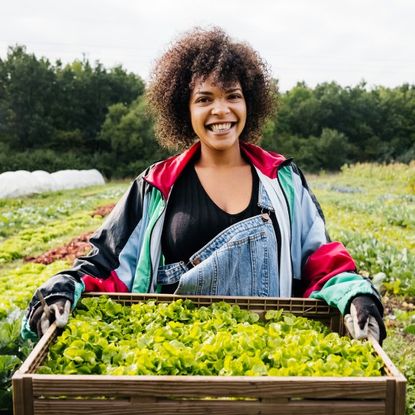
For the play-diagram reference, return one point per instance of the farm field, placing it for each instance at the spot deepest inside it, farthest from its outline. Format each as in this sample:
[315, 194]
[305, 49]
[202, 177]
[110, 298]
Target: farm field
[370, 208]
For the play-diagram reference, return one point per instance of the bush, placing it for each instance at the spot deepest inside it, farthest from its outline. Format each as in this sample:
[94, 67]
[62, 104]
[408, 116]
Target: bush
[48, 160]
[329, 151]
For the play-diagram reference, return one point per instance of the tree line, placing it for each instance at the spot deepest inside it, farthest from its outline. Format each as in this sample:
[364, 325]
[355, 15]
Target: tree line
[329, 125]
[82, 115]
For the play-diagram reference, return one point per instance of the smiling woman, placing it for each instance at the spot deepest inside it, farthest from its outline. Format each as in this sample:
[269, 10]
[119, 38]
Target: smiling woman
[196, 56]
[224, 217]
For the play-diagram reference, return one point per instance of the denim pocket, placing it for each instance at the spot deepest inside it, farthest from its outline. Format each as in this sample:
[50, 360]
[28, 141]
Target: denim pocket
[171, 273]
[245, 264]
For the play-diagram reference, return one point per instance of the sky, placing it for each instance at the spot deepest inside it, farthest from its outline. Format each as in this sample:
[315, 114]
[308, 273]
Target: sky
[315, 41]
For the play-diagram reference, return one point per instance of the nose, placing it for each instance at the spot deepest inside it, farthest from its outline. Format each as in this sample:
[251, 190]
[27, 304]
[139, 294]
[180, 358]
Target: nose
[220, 108]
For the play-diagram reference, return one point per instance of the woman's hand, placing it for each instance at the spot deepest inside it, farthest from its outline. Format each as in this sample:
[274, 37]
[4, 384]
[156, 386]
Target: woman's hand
[55, 309]
[364, 319]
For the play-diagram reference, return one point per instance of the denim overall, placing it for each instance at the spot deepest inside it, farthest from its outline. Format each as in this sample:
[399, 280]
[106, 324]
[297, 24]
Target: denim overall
[239, 261]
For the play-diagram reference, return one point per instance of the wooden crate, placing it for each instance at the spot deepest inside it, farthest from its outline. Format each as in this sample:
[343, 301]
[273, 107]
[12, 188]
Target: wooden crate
[113, 395]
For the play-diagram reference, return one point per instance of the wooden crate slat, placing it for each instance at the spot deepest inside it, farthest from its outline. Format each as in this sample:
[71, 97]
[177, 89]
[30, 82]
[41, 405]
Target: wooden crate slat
[397, 385]
[22, 396]
[295, 305]
[390, 397]
[390, 367]
[202, 386]
[39, 352]
[166, 407]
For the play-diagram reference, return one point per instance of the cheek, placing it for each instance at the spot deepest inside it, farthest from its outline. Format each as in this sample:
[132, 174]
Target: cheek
[245, 111]
[243, 114]
[192, 118]
[196, 119]
[193, 122]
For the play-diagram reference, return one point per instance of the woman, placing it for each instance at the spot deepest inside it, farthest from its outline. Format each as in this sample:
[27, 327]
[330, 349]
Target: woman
[224, 217]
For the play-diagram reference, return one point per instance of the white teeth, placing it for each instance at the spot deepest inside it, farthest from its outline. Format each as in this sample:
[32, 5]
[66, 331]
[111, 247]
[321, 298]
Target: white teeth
[221, 127]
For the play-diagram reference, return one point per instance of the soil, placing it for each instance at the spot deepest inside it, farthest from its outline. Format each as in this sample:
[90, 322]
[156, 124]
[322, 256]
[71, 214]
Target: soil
[103, 210]
[402, 303]
[77, 247]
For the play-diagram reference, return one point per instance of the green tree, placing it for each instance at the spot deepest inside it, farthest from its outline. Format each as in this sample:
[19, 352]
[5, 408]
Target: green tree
[28, 87]
[332, 149]
[85, 93]
[397, 125]
[377, 124]
[128, 131]
[299, 112]
[58, 109]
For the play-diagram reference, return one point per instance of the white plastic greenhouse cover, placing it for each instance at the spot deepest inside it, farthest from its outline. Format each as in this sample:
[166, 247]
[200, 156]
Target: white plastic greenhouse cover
[22, 182]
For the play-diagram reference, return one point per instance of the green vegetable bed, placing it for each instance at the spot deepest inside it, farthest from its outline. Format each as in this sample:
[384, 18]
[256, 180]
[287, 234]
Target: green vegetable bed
[179, 338]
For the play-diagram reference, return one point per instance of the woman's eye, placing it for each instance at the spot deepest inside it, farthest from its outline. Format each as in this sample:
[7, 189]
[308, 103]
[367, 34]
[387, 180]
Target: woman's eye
[235, 96]
[202, 100]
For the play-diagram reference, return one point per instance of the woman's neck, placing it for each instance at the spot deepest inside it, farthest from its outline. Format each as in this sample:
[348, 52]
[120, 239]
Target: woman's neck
[220, 158]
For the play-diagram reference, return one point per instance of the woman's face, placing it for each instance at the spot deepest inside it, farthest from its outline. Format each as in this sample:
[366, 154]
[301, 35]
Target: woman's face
[218, 115]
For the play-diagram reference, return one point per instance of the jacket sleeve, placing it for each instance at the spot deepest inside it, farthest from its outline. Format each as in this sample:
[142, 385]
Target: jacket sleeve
[110, 265]
[328, 271]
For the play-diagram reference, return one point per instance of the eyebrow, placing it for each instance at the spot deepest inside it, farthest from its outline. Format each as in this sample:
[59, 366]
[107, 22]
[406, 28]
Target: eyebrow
[228, 91]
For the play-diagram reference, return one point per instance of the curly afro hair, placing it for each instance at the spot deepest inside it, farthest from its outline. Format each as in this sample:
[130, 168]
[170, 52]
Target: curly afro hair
[197, 55]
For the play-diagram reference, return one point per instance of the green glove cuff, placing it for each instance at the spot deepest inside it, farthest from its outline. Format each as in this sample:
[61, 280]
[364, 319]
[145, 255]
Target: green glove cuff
[341, 289]
[25, 332]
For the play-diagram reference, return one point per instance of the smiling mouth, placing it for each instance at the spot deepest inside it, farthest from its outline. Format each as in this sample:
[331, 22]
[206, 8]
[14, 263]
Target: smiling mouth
[220, 127]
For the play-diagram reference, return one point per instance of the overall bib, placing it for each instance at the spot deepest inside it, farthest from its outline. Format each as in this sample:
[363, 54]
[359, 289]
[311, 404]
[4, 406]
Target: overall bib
[240, 261]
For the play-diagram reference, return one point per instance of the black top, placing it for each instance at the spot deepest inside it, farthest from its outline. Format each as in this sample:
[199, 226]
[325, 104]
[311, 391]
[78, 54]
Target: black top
[193, 219]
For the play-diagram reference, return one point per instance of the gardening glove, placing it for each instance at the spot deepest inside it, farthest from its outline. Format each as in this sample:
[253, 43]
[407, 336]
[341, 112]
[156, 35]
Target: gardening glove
[55, 309]
[365, 319]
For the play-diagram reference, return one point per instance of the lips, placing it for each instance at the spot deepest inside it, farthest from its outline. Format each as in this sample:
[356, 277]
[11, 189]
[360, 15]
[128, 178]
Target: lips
[220, 127]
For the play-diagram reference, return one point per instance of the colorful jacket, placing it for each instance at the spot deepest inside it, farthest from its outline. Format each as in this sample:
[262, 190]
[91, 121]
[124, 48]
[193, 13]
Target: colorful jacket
[126, 249]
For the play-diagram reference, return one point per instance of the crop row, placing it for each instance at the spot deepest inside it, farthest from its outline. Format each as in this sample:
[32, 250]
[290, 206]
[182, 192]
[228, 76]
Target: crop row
[393, 222]
[398, 174]
[374, 219]
[17, 285]
[43, 209]
[37, 240]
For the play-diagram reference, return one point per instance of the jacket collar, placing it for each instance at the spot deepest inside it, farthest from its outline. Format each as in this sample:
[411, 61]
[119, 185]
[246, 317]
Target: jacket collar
[165, 173]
